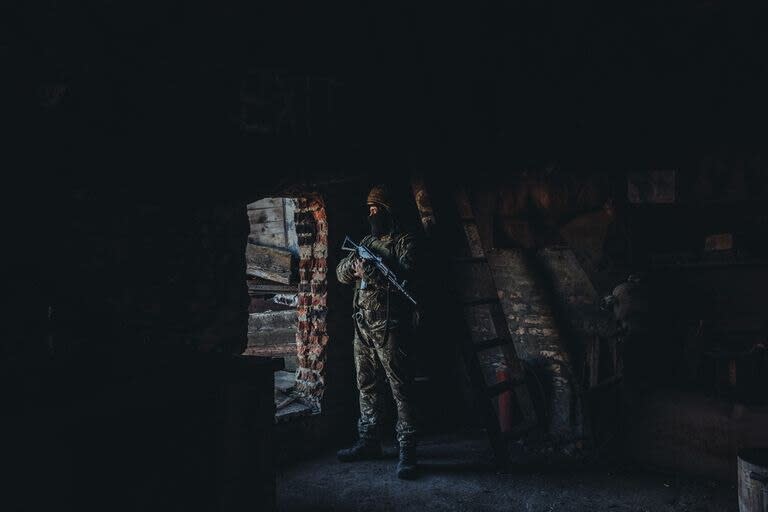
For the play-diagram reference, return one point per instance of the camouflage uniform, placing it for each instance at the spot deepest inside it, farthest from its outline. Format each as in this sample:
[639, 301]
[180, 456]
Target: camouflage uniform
[382, 325]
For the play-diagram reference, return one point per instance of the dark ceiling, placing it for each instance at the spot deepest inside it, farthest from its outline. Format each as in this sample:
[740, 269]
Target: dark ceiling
[144, 92]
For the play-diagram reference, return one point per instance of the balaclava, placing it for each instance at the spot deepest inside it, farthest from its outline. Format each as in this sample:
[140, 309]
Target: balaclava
[382, 222]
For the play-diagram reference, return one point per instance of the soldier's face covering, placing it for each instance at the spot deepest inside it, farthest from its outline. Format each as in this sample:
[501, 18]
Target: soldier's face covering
[381, 223]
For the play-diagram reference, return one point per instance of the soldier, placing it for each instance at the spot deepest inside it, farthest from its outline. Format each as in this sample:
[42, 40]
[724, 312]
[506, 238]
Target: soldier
[382, 320]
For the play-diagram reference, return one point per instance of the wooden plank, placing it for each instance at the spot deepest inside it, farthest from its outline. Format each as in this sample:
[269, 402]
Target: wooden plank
[272, 321]
[269, 262]
[269, 228]
[271, 349]
[268, 233]
[260, 286]
[268, 239]
[267, 202]
[265, 216]
[274, 331]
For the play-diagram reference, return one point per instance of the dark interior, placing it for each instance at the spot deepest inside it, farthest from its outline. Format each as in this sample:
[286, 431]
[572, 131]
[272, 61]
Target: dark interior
[614, 159]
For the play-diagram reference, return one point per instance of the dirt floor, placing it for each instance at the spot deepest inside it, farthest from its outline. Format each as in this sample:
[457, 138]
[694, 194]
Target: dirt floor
[457, 476]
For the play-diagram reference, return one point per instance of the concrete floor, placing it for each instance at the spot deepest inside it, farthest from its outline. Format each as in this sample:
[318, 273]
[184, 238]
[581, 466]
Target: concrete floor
[457, 477]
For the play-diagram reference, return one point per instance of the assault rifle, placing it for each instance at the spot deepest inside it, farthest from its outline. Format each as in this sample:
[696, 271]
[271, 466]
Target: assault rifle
[367, 254]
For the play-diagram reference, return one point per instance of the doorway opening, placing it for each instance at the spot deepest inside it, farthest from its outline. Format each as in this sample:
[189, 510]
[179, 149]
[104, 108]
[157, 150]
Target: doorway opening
[287, 284]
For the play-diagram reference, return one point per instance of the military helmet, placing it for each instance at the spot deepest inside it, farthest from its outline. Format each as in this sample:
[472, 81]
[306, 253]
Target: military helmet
[379, 195]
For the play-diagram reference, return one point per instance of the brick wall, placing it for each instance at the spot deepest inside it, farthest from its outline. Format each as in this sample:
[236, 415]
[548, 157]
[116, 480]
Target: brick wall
[312, 333]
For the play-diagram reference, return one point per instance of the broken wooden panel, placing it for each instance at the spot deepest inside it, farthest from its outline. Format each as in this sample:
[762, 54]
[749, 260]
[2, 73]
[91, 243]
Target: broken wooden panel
[273, 334]
[270, 263]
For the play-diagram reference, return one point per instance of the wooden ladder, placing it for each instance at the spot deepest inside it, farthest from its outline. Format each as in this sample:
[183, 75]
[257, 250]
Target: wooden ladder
[495, 372]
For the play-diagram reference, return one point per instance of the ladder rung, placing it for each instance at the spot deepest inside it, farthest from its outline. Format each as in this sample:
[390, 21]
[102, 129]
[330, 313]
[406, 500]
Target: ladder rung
[480, 302]
[491, 343]
[501, 387]
[470, 259]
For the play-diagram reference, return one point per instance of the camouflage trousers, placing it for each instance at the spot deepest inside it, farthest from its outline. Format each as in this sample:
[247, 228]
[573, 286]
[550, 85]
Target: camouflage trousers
[390, 359]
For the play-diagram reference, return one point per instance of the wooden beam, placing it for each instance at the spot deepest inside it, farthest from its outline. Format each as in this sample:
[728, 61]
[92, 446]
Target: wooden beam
[269, 263]
[260, 286]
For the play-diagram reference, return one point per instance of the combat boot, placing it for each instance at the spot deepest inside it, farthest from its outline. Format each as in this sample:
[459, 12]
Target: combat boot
[363, 449]
[406, 466]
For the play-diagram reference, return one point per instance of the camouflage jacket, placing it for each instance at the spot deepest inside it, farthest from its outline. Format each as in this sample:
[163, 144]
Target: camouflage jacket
[379, 301]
